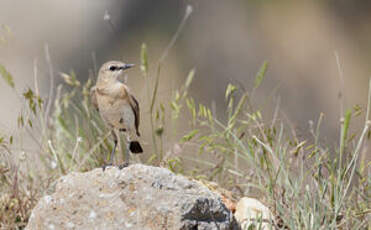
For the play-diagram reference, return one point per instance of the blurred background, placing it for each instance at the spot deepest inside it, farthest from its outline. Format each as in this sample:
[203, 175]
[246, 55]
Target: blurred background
[226, 41]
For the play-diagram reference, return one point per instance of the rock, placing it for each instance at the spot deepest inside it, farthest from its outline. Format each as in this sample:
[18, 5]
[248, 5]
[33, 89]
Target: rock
[250, 212]
[136, 197]
[227, 197]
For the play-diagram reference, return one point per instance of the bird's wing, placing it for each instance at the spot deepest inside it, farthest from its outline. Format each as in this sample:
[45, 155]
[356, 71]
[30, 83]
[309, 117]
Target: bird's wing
[93, 98]
[135, 107]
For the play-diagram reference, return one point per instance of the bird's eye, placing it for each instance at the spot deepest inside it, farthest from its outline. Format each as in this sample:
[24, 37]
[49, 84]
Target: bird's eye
[112, 68]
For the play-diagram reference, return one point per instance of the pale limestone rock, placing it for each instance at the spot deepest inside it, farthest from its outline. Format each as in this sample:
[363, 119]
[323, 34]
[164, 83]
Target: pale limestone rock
[250, 211]
[136, 197]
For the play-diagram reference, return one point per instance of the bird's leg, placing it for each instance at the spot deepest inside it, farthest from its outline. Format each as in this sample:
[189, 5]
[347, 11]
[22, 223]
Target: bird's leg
[112, 152]
[127, 155]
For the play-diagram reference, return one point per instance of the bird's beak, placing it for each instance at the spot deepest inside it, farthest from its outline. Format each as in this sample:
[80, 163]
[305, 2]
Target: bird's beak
[127, 66]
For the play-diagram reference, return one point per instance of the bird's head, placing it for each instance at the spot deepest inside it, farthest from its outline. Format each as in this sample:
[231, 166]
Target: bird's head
[111, 70]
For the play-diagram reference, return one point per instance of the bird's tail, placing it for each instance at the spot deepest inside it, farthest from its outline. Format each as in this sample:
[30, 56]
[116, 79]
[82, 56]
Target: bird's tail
[135, 147]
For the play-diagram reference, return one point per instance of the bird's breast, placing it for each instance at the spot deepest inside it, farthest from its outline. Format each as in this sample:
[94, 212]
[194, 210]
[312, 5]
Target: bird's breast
[116, 111]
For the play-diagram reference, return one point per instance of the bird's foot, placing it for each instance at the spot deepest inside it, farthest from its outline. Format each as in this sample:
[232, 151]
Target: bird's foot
[106, 165]
[124, 165]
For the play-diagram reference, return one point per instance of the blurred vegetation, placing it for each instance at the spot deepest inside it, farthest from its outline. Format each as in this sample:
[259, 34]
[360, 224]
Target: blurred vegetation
[305, 184]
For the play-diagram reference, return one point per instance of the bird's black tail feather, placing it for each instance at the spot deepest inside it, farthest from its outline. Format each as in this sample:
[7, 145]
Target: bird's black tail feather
[135, 147]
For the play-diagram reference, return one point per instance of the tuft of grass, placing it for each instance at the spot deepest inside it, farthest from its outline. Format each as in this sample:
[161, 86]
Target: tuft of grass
[307, 185]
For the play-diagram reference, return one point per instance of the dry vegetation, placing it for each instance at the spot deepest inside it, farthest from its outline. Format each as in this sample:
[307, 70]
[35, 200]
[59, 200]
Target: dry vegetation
[306, 184]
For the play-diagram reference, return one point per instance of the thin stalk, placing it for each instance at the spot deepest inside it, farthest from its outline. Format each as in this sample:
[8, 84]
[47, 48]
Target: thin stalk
[51, 82]
[176, 35]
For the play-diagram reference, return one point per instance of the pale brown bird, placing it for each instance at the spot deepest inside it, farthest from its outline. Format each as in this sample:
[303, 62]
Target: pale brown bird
[117, 106]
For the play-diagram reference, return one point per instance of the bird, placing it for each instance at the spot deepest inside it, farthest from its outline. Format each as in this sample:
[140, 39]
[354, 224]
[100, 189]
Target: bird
[118, 108]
